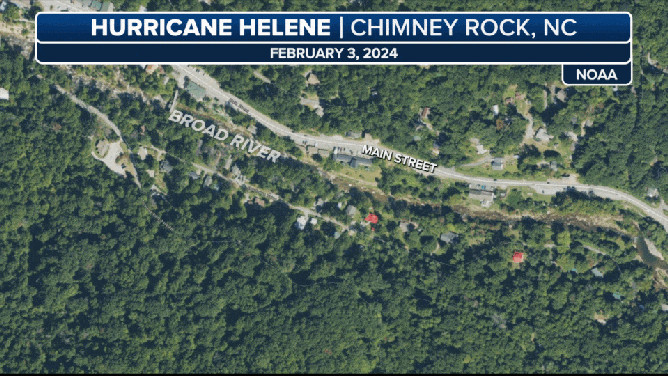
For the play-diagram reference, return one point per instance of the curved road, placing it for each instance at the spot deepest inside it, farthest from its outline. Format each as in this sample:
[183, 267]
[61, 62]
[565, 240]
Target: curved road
[355, 147]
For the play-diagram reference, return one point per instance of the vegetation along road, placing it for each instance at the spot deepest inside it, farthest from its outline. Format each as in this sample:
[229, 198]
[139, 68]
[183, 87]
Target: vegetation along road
[355, 147]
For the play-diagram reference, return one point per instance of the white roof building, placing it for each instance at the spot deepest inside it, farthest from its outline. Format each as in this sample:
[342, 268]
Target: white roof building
[4, 94]
[301, 222]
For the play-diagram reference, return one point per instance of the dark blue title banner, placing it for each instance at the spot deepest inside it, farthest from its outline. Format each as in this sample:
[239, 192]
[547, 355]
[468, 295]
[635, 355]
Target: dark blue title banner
[334, 38]
[331, 27]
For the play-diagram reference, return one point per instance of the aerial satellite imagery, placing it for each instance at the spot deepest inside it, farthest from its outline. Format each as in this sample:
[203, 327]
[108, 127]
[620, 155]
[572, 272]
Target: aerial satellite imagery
[333, 186]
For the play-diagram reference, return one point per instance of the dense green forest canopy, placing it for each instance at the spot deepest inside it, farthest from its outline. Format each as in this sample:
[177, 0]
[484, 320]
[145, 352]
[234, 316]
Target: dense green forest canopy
[92, 281]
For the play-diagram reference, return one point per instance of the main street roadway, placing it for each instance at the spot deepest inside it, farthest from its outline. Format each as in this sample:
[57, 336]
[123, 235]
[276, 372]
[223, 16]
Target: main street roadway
[346, 145]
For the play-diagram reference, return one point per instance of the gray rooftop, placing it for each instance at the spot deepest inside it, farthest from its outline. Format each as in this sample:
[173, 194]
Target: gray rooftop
[345, 158]
[195, 90]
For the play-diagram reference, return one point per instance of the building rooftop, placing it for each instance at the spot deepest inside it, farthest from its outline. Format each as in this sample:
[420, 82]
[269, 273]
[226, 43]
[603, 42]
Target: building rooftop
[107, 6]
[357, 161]
[497, 164]
[301, 222]
[344, 158]
[195, 90]
[166, 166]
[449, 237]
[4, 94]
[96, 5]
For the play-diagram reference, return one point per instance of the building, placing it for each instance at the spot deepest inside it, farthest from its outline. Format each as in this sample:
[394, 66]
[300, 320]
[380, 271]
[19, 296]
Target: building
[518, 257]
[96, 5]
[541, 135]
[651, 192]
[354, 134]
[193, 175]
[3, 6]
[554, 166]
[310, 150]
[166, 167]
[301, 222]
[372, 218]
[358, 161]
[449, 237]
[352, 161]
[151, 68]
[107, 6]
[597, 272]
[351, 210]
[195, 90]
[343, 158]
[4, 93]
[425, 113]
[495, 109]
[497, 164]
[482, 193]
[258, 201]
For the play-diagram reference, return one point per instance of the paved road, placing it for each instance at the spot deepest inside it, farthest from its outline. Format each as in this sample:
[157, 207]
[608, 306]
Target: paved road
[346, 145]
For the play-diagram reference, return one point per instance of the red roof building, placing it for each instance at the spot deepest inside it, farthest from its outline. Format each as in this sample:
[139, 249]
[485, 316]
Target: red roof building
[518, 257]
[372, 218]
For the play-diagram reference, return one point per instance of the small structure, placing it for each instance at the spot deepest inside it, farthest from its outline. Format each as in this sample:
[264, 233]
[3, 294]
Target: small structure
[617, 295]
[310, 150]
[108, 6]
[554, 166]
[313, 221]
[652, 192]
[151, 68]
[96, 5]
[484, 194]
[323, 153]
[358, 161]
[518, 257]
[4, 93]
[258, 201]
[166, 167]
[342, 158]
[301, 222]
[449, 237]
[541, 135]
[312, 79]
[497, 164]
[193, 175]
[208, 180]
[372, 218]
[597, 272]
[495, 109]
[228, 163]
[351, 210]
[664, 307]
[425, 113]
[354, 134]
[3, 6]
[195, 90]
[404, 226]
